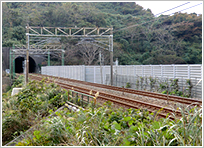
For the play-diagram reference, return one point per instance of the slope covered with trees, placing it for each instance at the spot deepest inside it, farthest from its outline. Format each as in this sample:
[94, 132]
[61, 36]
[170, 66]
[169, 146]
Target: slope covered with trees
[175, 39]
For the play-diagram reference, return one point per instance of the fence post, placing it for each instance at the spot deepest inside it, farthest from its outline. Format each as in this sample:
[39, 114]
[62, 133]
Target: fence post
[69, 72]
[94, 74]
[195, 88]
[161, 71]
[59, 71]
[182, 85]
[174, 71]
[84, 71]
[104, 74]
[201, 71]
[73, 72]
[189, 72]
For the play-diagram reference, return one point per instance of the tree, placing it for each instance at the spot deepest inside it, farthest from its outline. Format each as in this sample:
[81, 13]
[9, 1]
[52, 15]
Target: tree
[71, 56]
[89, 53]
[179, 35]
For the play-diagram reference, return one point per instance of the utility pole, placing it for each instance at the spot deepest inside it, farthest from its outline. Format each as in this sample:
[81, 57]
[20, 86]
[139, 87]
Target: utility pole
[27, 54]
[111, 56]
[13, 64]
[48, 58]
[63, 57]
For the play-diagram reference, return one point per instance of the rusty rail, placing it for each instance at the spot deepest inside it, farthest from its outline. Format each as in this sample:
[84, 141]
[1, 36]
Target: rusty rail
[123, 101]
[178, 99]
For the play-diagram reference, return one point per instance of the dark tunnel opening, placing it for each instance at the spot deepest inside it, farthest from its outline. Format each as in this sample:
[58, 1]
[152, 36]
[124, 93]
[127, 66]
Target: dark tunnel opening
[19, 65]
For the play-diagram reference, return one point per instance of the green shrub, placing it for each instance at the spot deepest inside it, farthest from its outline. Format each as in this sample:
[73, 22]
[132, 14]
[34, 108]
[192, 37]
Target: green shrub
[108, 126]
[29, 106]
[128, 85]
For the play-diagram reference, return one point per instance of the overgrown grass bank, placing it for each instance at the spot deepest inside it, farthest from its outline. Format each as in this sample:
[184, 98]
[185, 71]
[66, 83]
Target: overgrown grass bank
[107, 126]
[21, 111]
[103, 126]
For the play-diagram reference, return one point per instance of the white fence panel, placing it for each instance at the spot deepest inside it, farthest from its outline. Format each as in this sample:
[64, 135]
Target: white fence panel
[93, 73]
[156, 70]
[181, 71]
[139, 70]
[168, 71]
[89, 74]
[146, 70]
[196, 71]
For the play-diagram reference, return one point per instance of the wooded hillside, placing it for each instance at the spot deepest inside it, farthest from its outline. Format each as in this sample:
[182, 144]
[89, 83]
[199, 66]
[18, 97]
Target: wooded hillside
[175, 39]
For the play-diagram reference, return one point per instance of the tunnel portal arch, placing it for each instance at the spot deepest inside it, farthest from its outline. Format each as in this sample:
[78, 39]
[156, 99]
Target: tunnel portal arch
[19, 64]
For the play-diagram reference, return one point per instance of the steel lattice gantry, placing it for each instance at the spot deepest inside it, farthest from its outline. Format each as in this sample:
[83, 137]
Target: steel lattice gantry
[92, 33]
[39, 46]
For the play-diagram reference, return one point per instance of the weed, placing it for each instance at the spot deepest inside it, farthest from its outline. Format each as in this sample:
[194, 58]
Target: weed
[128, 85]
[137, 84]
[141, 82]
[152, 82]
[107, 126]
[29, 106]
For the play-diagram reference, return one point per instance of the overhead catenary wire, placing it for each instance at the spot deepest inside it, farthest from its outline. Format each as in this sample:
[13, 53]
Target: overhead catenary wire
[173, 8]
[189, 7]
[167, 10]
[154, 19]
[151, 21]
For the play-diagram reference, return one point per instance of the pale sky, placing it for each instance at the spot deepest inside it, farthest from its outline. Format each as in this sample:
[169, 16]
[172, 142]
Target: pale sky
[161, 6]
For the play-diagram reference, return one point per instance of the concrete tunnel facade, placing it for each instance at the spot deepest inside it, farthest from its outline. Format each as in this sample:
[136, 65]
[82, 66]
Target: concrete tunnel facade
[33, 64]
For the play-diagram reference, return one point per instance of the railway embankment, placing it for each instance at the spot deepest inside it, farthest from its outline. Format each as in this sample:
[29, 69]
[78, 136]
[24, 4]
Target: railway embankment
[104, 125]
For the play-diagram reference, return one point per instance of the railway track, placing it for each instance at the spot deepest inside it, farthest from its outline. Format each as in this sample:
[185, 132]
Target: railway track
[178, 99]
[122, 101]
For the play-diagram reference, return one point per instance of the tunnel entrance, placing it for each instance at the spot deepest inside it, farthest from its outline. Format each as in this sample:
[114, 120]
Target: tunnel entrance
[19, 65]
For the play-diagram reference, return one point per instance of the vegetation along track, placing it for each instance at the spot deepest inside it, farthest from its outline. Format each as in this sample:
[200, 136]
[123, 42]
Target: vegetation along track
[123, 101]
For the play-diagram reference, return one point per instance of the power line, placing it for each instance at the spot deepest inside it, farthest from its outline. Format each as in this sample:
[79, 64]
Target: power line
[187, 8]
[138, 24]
[172, 8]
[151, 21]
[169, 9]
[154, 19]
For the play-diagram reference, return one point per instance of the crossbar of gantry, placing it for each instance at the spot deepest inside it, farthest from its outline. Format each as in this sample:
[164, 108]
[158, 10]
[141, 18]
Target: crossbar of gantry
[70, 32]
[39, 49]
[22, 51]
[33, 47]
[35, 51]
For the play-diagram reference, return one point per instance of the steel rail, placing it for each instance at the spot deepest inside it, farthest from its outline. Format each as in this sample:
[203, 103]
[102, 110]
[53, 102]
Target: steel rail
[178, 99]
[131, 103]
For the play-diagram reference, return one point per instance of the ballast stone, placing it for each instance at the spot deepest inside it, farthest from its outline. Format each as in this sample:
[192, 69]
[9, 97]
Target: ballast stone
[15, 91]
